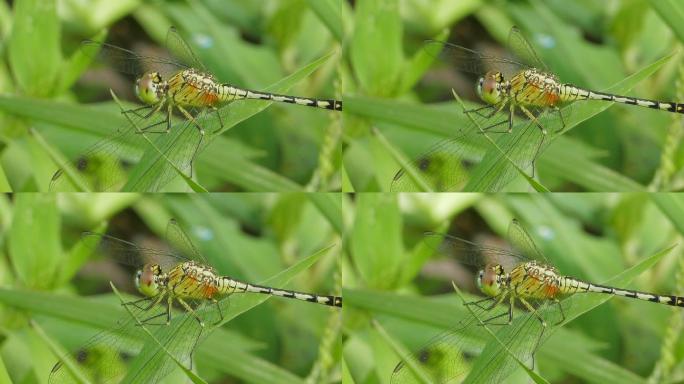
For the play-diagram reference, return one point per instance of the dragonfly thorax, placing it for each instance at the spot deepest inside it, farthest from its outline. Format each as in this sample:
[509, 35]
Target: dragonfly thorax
[490, 87]
[148, 280]
[491, 279]
[150, 88]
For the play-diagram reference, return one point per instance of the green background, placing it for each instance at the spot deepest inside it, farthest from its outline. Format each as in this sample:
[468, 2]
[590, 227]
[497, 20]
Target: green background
[48, 115]
[48, 278]
[399, 104]
[398, 291]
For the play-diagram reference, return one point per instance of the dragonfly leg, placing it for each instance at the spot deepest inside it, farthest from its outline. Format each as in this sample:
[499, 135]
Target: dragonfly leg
[534, 119]
[543, 327]
[490, 321]
[478, 111]
[218, 306]
[136, 303]
[490, 130]
[136, 111]
[219, 117]
[560, 307]
[189, 309]
[533, 310]
[478, 303]
[148, 321]
[192, 119]
[560, 115]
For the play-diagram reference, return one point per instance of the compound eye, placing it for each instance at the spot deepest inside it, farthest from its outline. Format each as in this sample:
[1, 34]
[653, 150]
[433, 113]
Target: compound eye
[488, 85]
[146, 88]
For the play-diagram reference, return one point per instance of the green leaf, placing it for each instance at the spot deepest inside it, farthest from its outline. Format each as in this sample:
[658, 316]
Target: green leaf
[34, 49]
[672, 13]
[329, 11]
[377, 217]
[33, 261]
[375, 49]
[672, 206]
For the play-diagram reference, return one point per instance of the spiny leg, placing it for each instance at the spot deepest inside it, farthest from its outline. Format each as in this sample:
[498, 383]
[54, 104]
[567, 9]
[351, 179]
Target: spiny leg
[478, 302]
[218, 306]
[500, 108]
[201, 131]
[192, 311]
[148, 321]
[560, 307]
[543, 324]
[560, 115]
[478, 111]
[136, 303]
[213, 108]
[136, 111]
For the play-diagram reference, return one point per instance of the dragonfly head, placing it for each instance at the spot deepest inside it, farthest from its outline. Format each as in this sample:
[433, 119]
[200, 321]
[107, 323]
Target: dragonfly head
[490, 278]
[147, 279]
[148, 88]
[489, 87]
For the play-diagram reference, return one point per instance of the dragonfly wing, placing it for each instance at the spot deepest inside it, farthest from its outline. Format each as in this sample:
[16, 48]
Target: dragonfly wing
[172, 152]
[446, 165]
[471, 61]
[128, 253]
[522, 49]
[470, 253]
[180, 48]
[104, 166]
[127, 351]
[126, 61]
[180, 240]
[521, 240]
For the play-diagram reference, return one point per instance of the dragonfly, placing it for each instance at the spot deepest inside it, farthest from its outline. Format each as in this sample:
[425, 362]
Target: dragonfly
[520, 276]
[180, 275]
[521, 89]
[167, 87]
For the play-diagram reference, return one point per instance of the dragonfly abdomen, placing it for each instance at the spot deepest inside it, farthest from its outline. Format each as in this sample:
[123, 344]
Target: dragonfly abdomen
[572, 93]
[227, 286]
[228, 93]
[571, 285]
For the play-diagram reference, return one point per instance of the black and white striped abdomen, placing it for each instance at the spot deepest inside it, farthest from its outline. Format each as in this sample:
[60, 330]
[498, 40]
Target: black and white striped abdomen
[570, 286]
[229, 93]
[569, 93]
[228, 286]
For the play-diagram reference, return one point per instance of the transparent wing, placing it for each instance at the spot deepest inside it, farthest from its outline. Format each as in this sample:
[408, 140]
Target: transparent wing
[522, 49]
[521, 240]
[106, 165]
[129, 62]
[468, 60]
[129, 253]
[474, 254]
[127, 353]
[446, 358]
[523, 248]
[469, 161]
[175, 150]
[180, 48]
[468, 351]
[180, 240]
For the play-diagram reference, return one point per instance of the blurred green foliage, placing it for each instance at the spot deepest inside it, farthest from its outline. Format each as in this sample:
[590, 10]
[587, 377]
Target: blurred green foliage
[399, 103]
[50, 94]
[398, 292]
[55, 293]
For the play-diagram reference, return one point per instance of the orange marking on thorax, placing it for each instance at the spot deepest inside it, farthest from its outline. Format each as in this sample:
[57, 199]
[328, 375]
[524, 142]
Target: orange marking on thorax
[210, 290]
[210, 98]
[551, 290]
